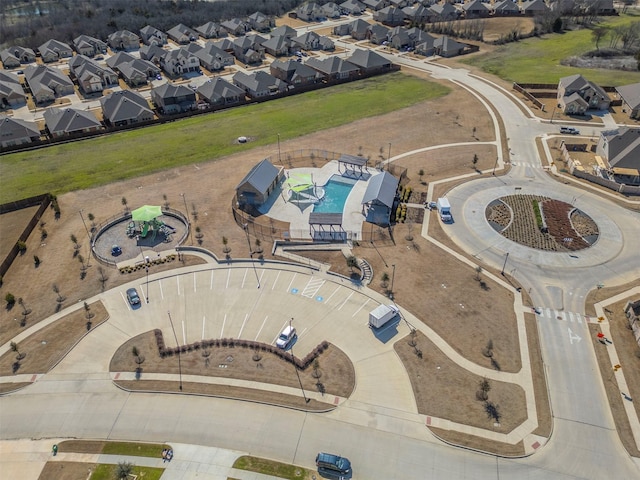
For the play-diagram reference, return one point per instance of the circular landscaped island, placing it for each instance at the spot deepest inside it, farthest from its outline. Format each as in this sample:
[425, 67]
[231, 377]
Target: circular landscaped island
[542, 223]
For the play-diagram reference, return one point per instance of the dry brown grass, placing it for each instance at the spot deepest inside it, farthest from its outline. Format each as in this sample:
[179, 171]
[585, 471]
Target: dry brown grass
[479, 443]
[45, 348]
[543, 407]
[12, 225]
[66, 470]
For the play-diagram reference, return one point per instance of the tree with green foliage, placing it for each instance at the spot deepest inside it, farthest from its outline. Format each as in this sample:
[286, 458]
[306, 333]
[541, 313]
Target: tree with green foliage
[123, 470]
[10, 299]
[352, 262]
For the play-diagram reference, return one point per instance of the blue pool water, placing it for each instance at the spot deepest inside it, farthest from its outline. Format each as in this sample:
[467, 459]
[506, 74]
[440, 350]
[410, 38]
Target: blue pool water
[336, 192]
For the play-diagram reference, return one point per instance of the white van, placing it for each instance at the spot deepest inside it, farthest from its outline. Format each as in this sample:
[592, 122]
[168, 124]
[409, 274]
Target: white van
[285, 338]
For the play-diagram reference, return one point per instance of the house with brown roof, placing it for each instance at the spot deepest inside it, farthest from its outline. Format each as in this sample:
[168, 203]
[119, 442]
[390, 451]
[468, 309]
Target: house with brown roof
[630, 95]
[65, 121]
[14, 131]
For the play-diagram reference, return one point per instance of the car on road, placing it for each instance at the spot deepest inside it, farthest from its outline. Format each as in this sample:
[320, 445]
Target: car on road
[132, 297]
[333, 465]
[286, 337]
[570, 130]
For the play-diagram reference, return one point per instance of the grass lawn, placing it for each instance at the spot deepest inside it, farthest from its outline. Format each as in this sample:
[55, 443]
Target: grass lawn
[537, 59]
[269, 467]
[104, 160]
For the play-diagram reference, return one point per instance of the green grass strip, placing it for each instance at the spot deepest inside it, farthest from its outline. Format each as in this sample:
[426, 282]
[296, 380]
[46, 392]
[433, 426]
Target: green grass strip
[536, 209]
[537, 59]
[99, 161]
[269, 467]
[108, 472]
[134, 449]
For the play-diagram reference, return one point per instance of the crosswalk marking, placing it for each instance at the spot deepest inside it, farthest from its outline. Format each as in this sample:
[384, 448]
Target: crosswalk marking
[561, 315]
[312, 287]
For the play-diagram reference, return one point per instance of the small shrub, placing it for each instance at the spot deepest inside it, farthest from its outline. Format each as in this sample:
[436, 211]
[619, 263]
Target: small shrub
[22, 247]
[10, 299]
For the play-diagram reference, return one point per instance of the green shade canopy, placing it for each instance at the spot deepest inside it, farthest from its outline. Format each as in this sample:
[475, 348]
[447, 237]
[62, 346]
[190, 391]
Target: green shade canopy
[299, 182]
[146, 213]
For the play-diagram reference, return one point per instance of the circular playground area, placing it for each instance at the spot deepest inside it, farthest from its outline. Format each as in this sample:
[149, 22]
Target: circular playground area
[135, 234]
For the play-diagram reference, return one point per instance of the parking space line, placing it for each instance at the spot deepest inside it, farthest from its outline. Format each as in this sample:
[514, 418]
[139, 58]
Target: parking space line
[228, 275]
[194, 282]
[178, 283]
[244, 277]
[261, 327]
[260, 281]
[242, 327]
[291, 282]
[126, 302]
[184, 334]
[211, 285]
[142, 294]
[223, 322]
[161, 292]
[361, 307]
[276, 281]
[345, 301]
[204, 320]
[331, 296]
[303, 331]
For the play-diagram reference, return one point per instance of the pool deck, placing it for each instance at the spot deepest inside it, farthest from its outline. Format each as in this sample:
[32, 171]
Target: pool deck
[297, 213]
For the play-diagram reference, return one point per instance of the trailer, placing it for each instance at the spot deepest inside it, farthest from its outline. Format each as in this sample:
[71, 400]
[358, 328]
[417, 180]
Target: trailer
[444, 209]
[381, 315]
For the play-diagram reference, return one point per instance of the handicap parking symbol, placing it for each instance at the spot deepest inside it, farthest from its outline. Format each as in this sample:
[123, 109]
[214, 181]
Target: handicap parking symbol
[318, 298]
[294, 290]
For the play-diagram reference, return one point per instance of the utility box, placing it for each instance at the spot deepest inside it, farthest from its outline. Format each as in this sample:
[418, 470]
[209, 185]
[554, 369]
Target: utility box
[444, 210]
[381, 315]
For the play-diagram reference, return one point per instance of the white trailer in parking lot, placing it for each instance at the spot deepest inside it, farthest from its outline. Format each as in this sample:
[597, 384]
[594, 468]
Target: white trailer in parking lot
[382, 315]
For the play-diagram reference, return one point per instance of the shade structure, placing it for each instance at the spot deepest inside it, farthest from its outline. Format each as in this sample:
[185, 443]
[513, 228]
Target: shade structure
[299, 182]
[146, 213]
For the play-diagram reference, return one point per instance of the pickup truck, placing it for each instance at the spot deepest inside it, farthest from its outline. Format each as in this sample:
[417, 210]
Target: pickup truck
[570, 130]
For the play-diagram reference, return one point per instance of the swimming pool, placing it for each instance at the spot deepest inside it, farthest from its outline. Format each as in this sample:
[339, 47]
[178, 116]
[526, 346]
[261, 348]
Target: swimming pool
[336, 192]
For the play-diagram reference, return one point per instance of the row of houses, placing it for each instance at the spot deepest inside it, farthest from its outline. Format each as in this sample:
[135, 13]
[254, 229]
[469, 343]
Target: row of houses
[402, 38]
[128, 107]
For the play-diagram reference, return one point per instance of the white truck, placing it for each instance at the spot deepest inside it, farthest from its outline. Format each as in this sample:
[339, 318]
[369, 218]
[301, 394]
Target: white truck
[382, 315]
[444, 209]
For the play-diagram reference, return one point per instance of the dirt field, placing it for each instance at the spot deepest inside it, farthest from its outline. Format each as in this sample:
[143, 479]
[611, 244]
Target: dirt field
[12, 225]
[66, 470]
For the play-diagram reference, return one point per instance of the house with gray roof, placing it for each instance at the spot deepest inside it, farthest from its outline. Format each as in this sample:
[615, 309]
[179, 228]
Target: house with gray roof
[65, 121]
[152, 36]
[259, 84]
[375, 5]
[211, 30]
[294, 73]
[11, 92]
[506, 7]
[399, 38]
[134, 71]
[219, 92]
[180, 61]
[369, 61]
[225, 44]
[416, 14]
[476, 9]
[359, 29]
[426, 45]
[249, 49]
[170, 98]
[284, 31]
[181, 34]
[54, 50]
[334, 68]
[125, 107]
[46, 83]
[591, 93]
[443, 12]
[152, 52]
[257, 185]
[377, 201]
[261, 22]
[377, 33]
[118, 59]
[312, 41]
[620, 148]
[533, 7]
[89, 46]
[352, 7]
[236, 27]
[123, 40]
[277, 46]
[212, 58]
[447, 47]
[630, 95]
[310, 12]
[330, 10]
[14, 131]
[392, 16]
[90, 75]
[13, 57]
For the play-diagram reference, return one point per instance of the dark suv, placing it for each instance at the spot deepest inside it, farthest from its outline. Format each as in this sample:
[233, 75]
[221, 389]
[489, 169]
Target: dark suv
[333, 465]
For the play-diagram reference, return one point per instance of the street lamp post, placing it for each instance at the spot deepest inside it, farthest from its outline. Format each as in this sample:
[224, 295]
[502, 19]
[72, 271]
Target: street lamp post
[178, 345]
[245, 227]
[147, 268]
[186, 210]
[393, 276]
[306, 400]
[494, 167]
[505, 264]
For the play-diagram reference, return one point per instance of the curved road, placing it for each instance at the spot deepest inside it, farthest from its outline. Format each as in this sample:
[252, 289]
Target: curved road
[382, 438]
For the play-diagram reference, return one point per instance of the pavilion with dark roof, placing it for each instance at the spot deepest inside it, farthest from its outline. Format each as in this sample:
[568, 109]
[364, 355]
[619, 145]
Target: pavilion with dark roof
[351, 163]
[257, 185]
[377, 202]
[326, 226]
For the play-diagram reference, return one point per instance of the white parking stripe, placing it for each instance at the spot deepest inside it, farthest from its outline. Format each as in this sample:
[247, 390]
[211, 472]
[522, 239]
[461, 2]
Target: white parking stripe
[223, 322]
[125, 301]
[204, 320]
[242, 327]
[228, 275]
[361, 307]
[184, 334]
[161, 292]
[211, 285]
[261, 327]
[345, 301]
[331, 296]
[277, 277]
[260, 281]
[178, 283]
[244, 277]
[291, 282]
[194, 282]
